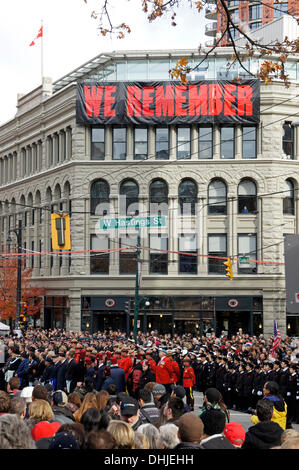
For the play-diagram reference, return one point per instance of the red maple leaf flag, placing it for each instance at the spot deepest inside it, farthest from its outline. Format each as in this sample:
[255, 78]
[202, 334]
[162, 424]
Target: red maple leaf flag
[39, 35]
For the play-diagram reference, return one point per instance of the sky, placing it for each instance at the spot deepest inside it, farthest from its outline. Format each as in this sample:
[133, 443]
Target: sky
[71, 38]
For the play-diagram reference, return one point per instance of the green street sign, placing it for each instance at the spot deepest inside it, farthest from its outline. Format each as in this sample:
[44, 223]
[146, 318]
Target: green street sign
[132, 222]
[244, 260]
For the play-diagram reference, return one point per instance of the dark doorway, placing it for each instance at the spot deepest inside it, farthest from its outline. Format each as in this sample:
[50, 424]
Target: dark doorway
[106, 320]
[231, 322]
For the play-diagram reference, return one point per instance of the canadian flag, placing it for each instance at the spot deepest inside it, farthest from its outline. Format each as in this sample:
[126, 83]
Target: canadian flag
[39, 35]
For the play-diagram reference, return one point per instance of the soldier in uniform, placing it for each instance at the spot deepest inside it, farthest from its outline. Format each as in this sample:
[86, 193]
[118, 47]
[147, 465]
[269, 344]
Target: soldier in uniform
[188, 382]
[239, 388]
[248, 386]
[284, 379]
[257, 385]
[291, 392]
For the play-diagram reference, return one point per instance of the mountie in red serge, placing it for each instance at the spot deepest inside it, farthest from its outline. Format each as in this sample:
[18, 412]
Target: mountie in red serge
[168, 103]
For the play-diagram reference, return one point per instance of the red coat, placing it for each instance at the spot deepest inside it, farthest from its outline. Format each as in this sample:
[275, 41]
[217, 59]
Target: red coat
[126, 364]
[175, 371]
[164, 372]
[188, 377]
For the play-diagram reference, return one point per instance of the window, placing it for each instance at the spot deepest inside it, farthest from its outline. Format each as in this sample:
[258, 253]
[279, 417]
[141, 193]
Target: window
[247, 247]
[127, 258]
[216, 247]
[247, 199]
[217, 197]
[288, 200]
[119, 143]
[97, 143]
[99, 194]
[280, 9]
[129, 192]
[187, 197]
[162, 143]
[188, 263]
[99, 262]
[249, 142]
[255, 12]
[288, 139]
[255, 25]
[227, 142]
[205, 142]
[158, 196]
[140, 143]
[183, 143]
[158, 261]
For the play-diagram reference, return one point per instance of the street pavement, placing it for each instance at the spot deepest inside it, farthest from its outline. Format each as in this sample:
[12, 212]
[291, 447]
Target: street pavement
[242, 418]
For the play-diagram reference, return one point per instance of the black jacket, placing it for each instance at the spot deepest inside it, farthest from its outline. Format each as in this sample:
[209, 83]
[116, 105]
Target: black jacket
[187, 445]
[217, 442]
[60, 381]
[263, 436]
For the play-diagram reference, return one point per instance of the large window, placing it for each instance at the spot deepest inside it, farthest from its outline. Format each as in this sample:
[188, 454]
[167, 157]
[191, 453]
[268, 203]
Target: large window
[127, 258]
[247, 198]
[205, 142]
[280, 9]
[249, 142]
[97, 143]
[187, 197]
[227, 142]
[255, 12]
[99, 194]
[158, 197]
[247, 247]
[140, 143]
[183, 143]
[217, 197]
[99, 262]
[158, 260]
[129, 192]
[162, 143]
[288, 139]
[119, 143]
[188, 263]
[288, 199]
[216, 247]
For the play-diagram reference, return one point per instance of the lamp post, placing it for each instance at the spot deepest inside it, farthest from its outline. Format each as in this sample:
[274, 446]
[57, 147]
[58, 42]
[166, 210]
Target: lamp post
[137, 300]
[18, 232]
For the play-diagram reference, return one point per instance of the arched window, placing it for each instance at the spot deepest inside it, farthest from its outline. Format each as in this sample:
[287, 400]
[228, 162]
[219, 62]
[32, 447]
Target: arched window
[99, 194]
[187, 197]
[288, 199]
[129, 192]
[158, 195]
[247, 198]
[217, 197]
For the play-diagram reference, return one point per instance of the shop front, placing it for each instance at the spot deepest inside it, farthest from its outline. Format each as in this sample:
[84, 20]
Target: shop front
[55, 310]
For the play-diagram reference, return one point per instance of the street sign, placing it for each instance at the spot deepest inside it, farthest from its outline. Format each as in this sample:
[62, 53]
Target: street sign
[244, 260]
[132, 222]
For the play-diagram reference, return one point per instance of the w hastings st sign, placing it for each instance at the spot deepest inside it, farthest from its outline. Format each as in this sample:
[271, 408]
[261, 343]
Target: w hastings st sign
[166, 103]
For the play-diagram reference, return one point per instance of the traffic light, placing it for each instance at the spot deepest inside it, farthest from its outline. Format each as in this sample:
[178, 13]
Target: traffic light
[61, 233]
[127, 306]
[229, 269]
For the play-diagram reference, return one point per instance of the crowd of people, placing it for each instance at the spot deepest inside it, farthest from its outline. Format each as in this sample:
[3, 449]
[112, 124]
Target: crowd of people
[77, 390]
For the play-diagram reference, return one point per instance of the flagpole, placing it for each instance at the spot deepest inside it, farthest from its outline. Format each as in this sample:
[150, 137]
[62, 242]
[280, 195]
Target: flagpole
[42, 53]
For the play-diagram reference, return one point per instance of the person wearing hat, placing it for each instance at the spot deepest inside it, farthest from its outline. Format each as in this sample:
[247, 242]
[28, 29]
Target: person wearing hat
[175, 367]
[125, 362]
[291, 392]
[42, 433]
[212, 400]
[14, 363]
[49, 371]
[235, 434]
[160, 395]
[130, 413]
[62, 414]
[284, 379]
[188, 382]
[164, 372]
[22, 369]
[64, 440]
[147, 375]
[248, 386]
[148, 357]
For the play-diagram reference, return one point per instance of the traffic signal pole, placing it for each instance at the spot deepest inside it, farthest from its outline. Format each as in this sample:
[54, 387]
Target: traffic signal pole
[136, 306]
[19, 275]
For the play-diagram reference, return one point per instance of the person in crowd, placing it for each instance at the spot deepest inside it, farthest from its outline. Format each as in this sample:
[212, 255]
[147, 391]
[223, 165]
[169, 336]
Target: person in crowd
[179, 392]
[174, 408]
[234, 433]
[153, 435]
[95, 420]
[100, 440]
[188, 382]
[13, 386]
[108, 380]
[292, 443]
[86, 387]
[213, 400]
[134, 378]
[62, 414]
[130, 413]
[190, 432]
[102, 399]
[77, 430]
[266, 433]
[147, 374]
[141, 441]
[89, 401]
[73, 402]
[5, 402]
[64, 440]
[18, 407]
[43, 432]
[71, 372]
[288, 434]
[39, 410]
[169, 436]
[22, 369]
[123, 434]
[160, 395]
[14, 434]
[214, 424]
[40, 392]
[149, 413]
[164, 372]
[279, 415]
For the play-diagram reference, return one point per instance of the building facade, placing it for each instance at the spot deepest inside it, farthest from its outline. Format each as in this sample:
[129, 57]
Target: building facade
[240, 183]
[246, 14]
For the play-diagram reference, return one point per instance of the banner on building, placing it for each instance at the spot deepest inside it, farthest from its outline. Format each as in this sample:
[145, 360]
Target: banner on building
[166, 103]
[291, 254]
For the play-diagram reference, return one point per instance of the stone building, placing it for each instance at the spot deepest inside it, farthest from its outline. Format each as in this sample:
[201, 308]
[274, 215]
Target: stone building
[243, 180]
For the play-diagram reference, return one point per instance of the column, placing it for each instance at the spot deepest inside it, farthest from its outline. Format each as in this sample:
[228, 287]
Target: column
[172, 143]
[130, 143]
[108, 143]
[238, 142]
[151, 143]
[172, 236]
[216, 150]
[73, 322]
[194, 142]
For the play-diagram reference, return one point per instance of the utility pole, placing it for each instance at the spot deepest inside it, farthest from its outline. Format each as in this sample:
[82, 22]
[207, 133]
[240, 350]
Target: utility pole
[18, 232]
[136, 306]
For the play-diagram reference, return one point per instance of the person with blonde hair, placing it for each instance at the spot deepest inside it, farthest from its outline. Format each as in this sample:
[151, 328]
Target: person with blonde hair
[153, 435]
[141, 441]
[102, 399]
[89, 401]
[39, 410]
[123, 434]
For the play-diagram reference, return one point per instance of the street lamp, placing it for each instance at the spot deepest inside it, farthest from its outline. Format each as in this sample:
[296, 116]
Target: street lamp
[18, 232]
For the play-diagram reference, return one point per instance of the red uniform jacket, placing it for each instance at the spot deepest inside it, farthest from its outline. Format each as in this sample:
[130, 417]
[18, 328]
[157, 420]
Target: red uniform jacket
[176, 371]
[188, 377]
[126, 364]
[164, 373]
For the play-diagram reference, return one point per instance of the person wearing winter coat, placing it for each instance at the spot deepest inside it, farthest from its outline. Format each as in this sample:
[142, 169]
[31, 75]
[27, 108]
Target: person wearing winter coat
[22, 369]
[271, 393]
[147, 374]
[133, 380]
[266, 433]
